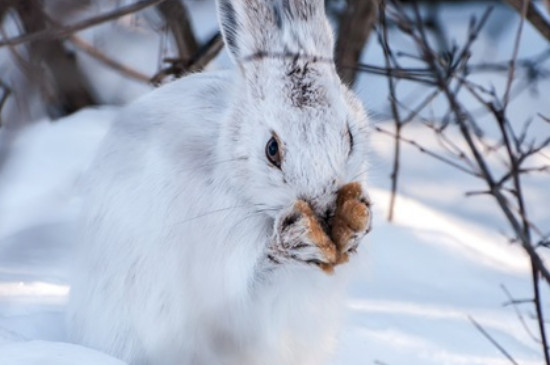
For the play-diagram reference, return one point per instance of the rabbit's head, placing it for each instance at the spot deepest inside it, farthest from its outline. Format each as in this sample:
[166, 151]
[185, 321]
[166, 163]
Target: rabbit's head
[293, 131]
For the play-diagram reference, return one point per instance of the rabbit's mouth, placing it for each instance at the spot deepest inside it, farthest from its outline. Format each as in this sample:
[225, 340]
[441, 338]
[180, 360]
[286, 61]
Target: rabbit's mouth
[324, 209]
[324, 216]
[335, 228]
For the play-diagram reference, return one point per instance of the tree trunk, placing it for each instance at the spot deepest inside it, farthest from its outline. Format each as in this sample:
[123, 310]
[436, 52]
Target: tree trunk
[65, 88]
[356, 23]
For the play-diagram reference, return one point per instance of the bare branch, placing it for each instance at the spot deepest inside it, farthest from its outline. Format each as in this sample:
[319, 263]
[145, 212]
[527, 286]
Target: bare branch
[428, 152]
[511, 71]
[66, 30]
[515, 303]
[450, 75]
[398, 123]
[6, 92]
[177, 19]
[101, 57]
[199, 61]
[462, 118]
[533, 15]
[492, 340]
[540, 315]
[206, 53]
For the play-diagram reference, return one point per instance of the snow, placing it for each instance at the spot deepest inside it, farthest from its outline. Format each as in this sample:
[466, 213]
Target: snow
[41, 352]
[418, 281]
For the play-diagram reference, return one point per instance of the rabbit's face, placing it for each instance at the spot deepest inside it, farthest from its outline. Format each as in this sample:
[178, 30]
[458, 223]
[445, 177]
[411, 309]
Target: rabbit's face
[301, 135]
[294, 132]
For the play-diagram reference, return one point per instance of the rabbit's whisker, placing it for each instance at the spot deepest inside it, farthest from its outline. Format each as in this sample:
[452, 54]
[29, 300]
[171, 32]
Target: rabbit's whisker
[205, 214]
[213, 163]
[360, 174]
[249, 216]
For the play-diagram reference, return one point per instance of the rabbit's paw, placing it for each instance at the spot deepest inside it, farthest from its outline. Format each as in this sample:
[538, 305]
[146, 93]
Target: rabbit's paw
[352, 219]
[300, 237]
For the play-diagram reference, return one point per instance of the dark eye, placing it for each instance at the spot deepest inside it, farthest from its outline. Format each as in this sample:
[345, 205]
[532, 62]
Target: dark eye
[273, 152]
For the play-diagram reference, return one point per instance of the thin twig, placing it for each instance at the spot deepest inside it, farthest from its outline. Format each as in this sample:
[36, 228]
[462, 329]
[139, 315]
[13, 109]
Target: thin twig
[66, 30]
[398, 123]
[511, 70]
[492, 340]
[199, 61]
[101, 57]
[540, 315]
[428, 152]
[515, 303]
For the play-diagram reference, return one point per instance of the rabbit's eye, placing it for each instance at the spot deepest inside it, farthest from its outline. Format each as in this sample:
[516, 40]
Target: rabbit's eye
[272, 152]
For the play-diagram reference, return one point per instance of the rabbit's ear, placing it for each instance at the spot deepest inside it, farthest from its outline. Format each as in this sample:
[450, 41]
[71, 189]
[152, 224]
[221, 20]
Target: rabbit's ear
[275, 27]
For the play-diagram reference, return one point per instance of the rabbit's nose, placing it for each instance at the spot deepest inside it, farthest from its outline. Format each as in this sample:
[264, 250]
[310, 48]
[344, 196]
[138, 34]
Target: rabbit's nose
[324, 209]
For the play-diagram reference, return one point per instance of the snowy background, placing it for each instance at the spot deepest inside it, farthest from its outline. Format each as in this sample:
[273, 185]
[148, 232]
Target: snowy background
[419, 281]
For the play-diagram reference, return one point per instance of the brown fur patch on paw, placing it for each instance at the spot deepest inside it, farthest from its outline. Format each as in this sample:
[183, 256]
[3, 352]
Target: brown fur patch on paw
[355, 214]
[348, 192]
[341, 233]
[318, 236]
[351, 217]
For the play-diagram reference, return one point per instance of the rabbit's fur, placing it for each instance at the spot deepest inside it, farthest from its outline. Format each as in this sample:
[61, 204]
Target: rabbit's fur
[195, 248]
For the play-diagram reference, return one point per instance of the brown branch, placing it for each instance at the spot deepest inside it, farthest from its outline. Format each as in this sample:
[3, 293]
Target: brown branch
[533, 16]
[66, 30]
[177, 19]
[95, 53]
[198, 62]
[206, 53]
[101, 57]
[20, 61]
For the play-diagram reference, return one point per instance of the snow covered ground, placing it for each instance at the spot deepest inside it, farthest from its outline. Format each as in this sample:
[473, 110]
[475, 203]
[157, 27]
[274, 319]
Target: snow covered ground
[419, 281]
[416, 285]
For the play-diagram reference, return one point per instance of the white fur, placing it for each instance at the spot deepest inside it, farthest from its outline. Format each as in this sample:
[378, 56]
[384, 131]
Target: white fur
[181, 210]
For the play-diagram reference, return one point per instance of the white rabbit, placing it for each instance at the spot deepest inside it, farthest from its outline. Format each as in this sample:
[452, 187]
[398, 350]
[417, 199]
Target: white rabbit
[220, 203]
